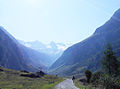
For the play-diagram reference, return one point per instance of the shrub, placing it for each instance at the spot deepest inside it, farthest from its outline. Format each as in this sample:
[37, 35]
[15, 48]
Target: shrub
[96, 77]
[88, 74]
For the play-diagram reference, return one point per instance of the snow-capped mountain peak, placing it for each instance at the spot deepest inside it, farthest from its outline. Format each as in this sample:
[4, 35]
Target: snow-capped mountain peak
[53, 49]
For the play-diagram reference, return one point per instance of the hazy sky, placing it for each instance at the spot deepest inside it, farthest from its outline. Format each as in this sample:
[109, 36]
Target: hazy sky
[55, 20]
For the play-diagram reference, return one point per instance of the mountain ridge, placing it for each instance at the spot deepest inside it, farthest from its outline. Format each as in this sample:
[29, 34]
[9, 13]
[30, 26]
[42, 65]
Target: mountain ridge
[14, 55]
[88, 53]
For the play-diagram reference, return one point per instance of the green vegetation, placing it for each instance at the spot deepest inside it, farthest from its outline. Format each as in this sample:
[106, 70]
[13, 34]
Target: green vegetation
[110, 78]
[110, 63]
[88, 74]
[10, 79]
[107, 78]
[81, 86]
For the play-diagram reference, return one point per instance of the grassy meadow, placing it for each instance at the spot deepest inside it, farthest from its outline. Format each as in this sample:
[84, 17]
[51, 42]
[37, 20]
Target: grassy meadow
[10, 79]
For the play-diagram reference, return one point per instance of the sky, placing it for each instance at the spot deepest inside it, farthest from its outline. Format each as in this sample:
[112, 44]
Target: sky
[67, 21]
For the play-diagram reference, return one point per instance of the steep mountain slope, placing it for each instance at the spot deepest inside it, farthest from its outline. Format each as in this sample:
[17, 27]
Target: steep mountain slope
[36, 58]
[88, 53]
[10, 54]
[13, 55]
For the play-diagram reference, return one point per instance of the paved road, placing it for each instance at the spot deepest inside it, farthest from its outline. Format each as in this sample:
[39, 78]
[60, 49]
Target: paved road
[66, 84]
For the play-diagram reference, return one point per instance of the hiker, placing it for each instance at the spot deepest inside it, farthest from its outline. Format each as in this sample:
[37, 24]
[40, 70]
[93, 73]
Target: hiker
[73, 78]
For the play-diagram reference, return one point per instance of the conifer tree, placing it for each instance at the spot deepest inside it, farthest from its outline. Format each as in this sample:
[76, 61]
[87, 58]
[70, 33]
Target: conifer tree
[110, 63]
[88, 74]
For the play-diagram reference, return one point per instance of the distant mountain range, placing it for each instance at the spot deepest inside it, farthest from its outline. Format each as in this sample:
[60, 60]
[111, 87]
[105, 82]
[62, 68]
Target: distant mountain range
[14, 55]
[54, 50]
[88, 53]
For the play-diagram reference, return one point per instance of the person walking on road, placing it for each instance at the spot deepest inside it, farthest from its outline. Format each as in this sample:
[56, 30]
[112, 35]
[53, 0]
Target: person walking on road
[73, 78]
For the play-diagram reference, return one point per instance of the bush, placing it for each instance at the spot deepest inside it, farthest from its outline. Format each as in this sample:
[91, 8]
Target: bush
[88, 74]
[109, 82]
[96, 77]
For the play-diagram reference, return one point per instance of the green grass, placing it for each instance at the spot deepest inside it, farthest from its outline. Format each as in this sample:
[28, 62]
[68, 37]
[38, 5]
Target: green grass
[10, 79]
[81, 86]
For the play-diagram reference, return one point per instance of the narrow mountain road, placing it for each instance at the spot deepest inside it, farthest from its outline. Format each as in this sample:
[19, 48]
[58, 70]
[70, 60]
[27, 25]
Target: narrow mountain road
[66, 84]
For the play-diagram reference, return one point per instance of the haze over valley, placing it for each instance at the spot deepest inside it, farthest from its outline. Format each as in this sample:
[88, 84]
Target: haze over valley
[59, 44]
